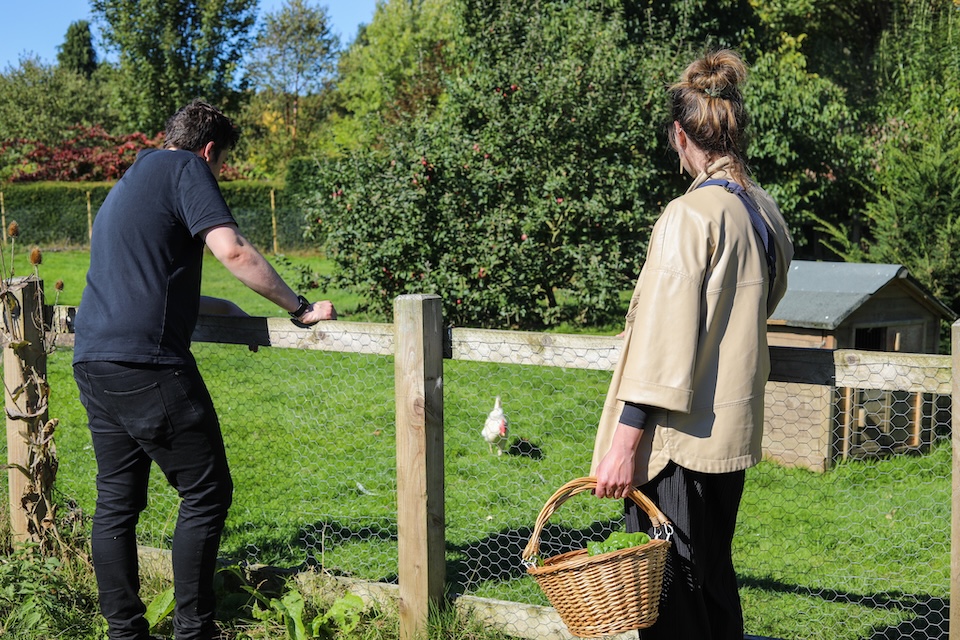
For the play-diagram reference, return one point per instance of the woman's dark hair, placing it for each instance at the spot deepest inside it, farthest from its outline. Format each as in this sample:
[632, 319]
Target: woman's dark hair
[198, 123]
[708, 104]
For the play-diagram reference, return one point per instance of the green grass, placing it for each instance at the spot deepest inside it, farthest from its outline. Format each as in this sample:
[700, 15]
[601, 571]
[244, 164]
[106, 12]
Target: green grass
[311, 442]
[861, 550]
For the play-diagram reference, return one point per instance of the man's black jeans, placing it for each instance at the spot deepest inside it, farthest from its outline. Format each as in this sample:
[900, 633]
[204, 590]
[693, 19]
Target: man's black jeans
[140, 414]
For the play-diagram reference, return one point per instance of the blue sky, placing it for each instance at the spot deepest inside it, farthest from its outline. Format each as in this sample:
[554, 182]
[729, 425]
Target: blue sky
[39, 26]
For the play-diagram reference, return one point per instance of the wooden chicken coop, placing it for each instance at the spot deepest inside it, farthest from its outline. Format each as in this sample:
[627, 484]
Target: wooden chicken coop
[867, 307]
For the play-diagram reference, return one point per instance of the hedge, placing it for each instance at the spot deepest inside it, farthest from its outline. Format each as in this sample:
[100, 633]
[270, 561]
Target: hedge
[56, 213]
[251, 206]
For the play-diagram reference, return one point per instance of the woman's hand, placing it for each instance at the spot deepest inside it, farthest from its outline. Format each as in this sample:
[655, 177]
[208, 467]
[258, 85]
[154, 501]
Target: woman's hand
[615, 471]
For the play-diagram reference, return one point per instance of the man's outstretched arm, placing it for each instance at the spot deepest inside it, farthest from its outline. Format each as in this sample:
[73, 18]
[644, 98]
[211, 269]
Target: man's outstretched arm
[250, 267]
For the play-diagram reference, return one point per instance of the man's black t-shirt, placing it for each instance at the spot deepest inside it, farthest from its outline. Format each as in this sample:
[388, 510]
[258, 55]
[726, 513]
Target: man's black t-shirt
[143, 288]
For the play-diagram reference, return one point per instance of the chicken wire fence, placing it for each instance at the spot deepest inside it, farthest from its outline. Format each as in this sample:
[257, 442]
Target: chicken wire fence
[844, 529]
[845, 526]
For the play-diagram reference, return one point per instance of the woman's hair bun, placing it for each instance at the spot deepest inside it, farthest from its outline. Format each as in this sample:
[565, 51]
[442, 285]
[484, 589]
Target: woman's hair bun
[718, 74]
[708, 104]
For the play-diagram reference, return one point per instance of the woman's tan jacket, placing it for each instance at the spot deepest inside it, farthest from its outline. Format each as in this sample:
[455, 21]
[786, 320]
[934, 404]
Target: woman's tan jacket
[695, 344]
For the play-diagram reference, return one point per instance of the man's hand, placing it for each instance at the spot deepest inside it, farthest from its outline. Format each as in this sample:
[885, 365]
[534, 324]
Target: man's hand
[316, 312]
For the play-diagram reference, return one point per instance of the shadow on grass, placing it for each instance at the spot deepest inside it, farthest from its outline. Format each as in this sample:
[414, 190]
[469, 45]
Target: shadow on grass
[930, 619]
[328, 534]
[301, 546]
[497, 557]
[493, 558]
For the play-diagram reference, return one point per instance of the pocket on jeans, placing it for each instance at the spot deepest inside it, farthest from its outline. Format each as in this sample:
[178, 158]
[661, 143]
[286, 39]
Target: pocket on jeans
[142, 412]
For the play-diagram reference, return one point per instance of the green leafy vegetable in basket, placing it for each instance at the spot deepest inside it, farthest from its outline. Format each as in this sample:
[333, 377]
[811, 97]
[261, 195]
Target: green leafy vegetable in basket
[616, 541]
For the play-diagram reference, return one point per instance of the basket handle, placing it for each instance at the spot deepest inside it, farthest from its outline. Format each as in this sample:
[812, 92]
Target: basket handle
[579, 485]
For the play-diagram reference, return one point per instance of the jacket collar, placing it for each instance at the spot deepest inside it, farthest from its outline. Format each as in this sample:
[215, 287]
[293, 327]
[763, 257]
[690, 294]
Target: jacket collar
[716, 169]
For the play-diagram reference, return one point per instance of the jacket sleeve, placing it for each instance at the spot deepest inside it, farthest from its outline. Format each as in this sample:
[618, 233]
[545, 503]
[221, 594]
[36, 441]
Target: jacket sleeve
[667, 311]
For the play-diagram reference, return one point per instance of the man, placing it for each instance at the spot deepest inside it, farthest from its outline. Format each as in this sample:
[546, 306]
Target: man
[138, 381]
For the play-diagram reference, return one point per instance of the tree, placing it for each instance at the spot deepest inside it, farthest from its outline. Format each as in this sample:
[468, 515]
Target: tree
[291, 64]
[172, 51]
[77, 53]
[293, 56]
[534, 180]
[88, 154]
[841, 38]
[395, 68]
[806, 146]
[535, 175]
[41, 103]
[913, 214]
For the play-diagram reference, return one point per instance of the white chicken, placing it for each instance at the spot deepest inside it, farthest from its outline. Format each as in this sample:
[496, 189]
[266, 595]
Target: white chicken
[495, 428]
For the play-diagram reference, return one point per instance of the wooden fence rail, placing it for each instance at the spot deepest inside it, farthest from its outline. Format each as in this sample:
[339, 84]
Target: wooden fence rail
[419, 343]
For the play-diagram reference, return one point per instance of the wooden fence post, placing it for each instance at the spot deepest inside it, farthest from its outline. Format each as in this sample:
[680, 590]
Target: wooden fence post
[273, 218]
[23, 366]
[89, 219]
[955, 500]
[418, 340]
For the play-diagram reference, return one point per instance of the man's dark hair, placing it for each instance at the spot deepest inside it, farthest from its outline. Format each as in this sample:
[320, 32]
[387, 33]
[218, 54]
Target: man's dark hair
[198, 123]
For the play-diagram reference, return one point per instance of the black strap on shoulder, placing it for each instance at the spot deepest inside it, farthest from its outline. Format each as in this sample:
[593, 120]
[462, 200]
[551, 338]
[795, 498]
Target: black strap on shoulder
[764, 232]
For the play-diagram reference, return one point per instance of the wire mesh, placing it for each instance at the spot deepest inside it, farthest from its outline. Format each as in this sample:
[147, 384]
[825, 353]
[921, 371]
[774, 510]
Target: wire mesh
[844, 529]
[847, 527]
[310, 442]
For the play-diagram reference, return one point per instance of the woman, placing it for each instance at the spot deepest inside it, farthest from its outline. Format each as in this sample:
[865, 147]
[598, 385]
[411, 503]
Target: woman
[683, 417]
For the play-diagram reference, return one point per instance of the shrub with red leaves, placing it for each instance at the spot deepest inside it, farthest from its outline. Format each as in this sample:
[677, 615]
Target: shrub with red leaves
[90, 154]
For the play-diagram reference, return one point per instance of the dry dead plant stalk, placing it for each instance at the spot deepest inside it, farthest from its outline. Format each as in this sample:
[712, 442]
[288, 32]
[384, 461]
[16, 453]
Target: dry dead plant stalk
[27, 403]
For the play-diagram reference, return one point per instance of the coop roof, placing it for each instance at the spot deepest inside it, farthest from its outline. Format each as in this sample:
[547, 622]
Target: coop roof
[821, 295]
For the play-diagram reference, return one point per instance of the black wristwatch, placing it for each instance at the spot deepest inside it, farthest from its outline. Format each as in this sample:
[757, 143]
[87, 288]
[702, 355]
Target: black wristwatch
[302, 309]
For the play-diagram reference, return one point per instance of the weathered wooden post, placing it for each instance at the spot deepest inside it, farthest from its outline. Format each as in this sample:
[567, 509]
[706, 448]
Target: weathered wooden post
[955, 500]
[89, 218]
[25, 400]
[273, 218]
[418, 331]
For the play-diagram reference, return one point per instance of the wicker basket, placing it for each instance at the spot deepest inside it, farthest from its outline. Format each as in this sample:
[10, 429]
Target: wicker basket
[609, 593]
